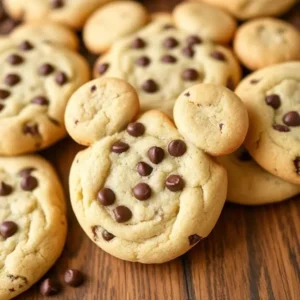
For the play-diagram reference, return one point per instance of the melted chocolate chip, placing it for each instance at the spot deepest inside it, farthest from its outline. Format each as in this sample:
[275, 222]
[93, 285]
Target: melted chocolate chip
[12, 79]
[170, 43]
[297, 164]
[291, 118]
[26, 172]
[1, 107]
[28, 183]
[273, 101]
[218, 55]
[174, 183]
[102, 68]
[15, 59]
[245, 156]
[156, 154]
[119, 147]
[138, 43]
[143, 61]
[106, 197]
[46, 69]
[194, 239]
[93, 88]
[188, 52]
[254, 81]
[122, 214]
[107, 236]
[144, 169]
[61, 78]
[193, 40]
[177, 148]
[5, 189]
[73, 277]
[4, 94]
[169, 59]
[142, 191]
[26, 46]
[8, 25]
[8, 229]
[150, 86]
[31, 129]
[190, 75]
[136, 129]
[55, 4]
[40, 100]
[281, 128]
[49, 287]
[168, 26]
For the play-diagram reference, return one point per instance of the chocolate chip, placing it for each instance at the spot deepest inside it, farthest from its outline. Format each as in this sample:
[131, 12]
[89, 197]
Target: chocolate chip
[168, 26]
[245, 156]
[144, 169]
[150, 86]
[143, 61]
[8, 229]
[187, 94]
[93, 88]
[1, 107]
[136, 129]
[177, 148]
[174, 183]
[230, 84]
[254, 81]
[218, 55]
[142, 191]
[73, 277]
[26, 172]
[122, 214]
[273, 101]
[170, 43]
[46, 69]
[156, 154]
[190, 75]
[8, 25]
[297, 164]
[40, 100]
[194, 239]
[15, 59]
[169, 59]
[28, 183]
[57, 4]
[188, 52]
[61, 78]
[281, 128]
[12, 79]
[4, 94]
[106, 197]
[193, 40]
[5, 189]
[31, 129]
[107, 236]
[102, 68]
[26, 46]
[291, 118]
[49, 287]
[119, 147]
[138, 43]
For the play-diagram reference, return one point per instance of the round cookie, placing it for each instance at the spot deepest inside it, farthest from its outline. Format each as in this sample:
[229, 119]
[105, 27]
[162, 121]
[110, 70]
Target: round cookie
[142, 192]
[112, 22]
[209, 22]
[249, 184]
[247, 9]
[161, 61]
[272, 97]
[219, 113]
[47, 32]
[72, 13]
[36, 81]
[33, 224]
[263, 42]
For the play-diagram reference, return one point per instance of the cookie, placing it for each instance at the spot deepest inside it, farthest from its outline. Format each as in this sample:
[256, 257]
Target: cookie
[209, 22]
[161, 61]
[247, 9]
[141, 191]
[47, 32]
[33, 222]
[271, 96]
[219, 113]
[72, 13]
[263, 42]
[36, 81]
[249, 184]
[112, 22]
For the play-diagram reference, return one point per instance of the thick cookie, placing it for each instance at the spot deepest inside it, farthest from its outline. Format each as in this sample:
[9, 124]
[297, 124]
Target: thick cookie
[161, 61]
[263, 42]
[37, 80]
[209, 22]
[71, 13]
[47, 32]
[272, 97]
[249, 184]
[141, 191]
[32, 222]
[112, 22]
[247, 9]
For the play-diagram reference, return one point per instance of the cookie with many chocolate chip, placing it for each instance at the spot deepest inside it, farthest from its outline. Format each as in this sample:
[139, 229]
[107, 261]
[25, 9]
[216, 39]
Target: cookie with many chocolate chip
[272, 98]
[250, 184]
[32, 222]
[161, 61]
[36, 81]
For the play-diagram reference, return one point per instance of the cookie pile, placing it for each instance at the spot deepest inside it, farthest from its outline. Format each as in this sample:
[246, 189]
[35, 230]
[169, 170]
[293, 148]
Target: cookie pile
[171, 128]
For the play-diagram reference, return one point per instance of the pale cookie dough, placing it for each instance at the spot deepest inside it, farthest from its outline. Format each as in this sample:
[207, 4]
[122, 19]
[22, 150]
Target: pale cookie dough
[33, 223]
[161, 61]
[264, 42]
[272, 97]
[247, 9]
[47, 32]
[72, 13]
[36, 81]
[209, 22]
[141, 192]
[112, 22]
[249, 184]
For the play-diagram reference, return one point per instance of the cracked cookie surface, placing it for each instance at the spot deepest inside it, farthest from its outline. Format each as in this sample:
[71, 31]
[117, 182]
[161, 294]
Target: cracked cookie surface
[32, 222]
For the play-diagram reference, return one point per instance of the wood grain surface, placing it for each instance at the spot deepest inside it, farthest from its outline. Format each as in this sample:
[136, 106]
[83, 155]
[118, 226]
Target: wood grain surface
[253, 253]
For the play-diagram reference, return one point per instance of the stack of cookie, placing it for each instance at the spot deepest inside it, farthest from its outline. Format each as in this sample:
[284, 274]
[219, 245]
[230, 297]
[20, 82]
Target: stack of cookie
[161, 123]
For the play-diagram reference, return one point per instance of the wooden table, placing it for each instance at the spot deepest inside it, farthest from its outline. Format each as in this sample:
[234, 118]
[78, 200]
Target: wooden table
[252, 254]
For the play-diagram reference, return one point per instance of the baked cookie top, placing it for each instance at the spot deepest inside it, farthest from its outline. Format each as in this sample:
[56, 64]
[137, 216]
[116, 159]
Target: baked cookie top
[32, 222]
[36, 81]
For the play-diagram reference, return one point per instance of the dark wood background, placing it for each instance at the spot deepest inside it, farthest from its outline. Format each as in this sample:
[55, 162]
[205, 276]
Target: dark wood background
[252, 254]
